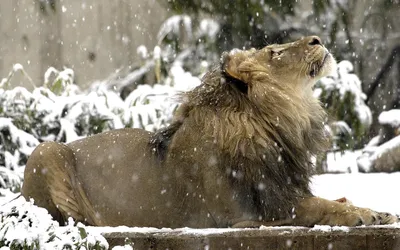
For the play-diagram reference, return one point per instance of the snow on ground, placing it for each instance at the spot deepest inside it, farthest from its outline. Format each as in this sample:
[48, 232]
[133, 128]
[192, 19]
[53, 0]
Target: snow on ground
[377, 191]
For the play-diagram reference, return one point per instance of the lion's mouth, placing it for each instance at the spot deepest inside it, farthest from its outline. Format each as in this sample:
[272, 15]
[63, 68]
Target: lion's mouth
[317, 66]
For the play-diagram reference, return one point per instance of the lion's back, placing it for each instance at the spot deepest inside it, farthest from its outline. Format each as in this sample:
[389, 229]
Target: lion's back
[112, 166]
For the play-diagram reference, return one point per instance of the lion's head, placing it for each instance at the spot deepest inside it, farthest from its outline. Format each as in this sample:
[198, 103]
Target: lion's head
[266, 96]
[297, 65]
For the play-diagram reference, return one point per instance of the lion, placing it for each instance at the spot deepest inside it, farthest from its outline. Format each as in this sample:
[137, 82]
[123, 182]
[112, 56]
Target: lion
[237, 154]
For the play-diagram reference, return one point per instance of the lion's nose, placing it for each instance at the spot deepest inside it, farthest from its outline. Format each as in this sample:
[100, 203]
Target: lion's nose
[314, 40]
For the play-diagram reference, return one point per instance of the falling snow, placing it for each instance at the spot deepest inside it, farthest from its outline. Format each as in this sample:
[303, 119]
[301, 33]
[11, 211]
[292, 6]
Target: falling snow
[172, 59]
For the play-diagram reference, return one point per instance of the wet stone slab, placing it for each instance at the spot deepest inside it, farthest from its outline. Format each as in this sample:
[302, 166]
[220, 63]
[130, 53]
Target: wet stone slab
[319, 237]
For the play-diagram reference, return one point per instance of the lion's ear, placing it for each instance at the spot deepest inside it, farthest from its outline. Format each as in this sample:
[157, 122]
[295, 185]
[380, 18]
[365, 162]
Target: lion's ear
[231, 61]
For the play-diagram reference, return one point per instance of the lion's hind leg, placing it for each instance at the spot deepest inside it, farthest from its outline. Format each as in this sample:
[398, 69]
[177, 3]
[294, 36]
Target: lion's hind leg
[48, 180]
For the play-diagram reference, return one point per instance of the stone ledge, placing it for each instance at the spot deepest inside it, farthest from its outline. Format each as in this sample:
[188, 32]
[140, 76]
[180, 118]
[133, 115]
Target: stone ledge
[320, 237]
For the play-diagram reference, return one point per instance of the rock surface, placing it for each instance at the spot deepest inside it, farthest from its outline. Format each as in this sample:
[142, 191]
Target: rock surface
[319, 237]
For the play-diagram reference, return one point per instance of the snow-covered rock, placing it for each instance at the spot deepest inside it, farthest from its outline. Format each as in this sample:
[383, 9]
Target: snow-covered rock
[390, 117]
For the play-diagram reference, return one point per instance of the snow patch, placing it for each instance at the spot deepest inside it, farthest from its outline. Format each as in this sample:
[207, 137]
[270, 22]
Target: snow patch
[17, 67]
[372, 190]
[391, 117]
[327, 229]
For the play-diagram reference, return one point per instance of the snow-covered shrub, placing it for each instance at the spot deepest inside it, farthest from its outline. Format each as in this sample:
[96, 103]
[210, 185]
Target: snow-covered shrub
[15, 146]
[26, 118]
[26, 226]
[17, 68]
[189, 43]
[349, 116]
[61, 82]
[183, 45]
[146, 107]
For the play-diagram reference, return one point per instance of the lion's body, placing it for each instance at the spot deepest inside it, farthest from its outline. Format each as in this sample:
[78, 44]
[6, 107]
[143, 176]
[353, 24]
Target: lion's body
[140, 189]
[236, 154]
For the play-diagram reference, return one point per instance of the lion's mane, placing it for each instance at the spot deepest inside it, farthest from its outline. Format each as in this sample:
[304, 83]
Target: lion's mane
[268, 132]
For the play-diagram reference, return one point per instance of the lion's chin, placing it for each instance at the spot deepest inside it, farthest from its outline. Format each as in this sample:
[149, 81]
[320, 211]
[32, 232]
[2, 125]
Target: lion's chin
[328, 67]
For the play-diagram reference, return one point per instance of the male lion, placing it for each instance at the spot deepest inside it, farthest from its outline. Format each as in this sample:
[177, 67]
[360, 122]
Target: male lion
[237, 154]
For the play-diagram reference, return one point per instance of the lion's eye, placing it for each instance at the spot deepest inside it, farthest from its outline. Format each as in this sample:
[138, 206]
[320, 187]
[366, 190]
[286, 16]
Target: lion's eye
[276, 52]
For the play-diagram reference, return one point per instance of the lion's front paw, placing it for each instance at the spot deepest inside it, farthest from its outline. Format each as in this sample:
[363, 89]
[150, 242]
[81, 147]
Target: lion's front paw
[367, 216]
[387, 218]
[370, 217]
[351, 218]
[318, 211]
[359, 216]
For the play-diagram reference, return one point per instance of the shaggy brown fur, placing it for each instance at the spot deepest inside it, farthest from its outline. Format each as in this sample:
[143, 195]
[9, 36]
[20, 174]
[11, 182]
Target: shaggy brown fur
[267, 140]
[237, 154]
